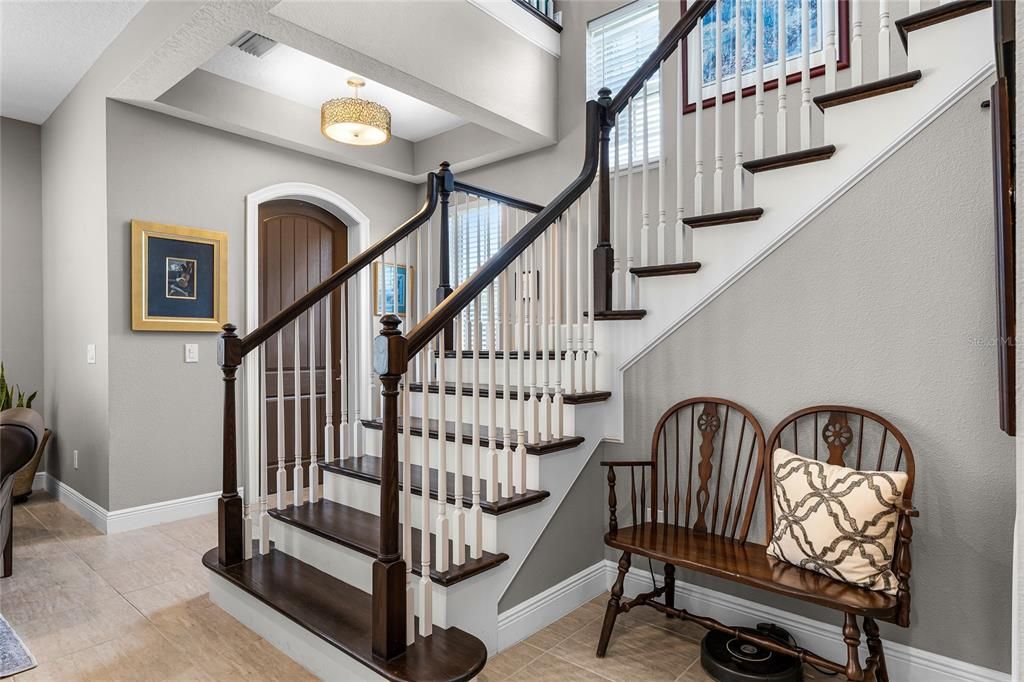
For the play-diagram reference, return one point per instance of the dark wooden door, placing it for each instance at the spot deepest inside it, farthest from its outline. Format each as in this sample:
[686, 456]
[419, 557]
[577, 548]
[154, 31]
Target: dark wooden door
[299, 246]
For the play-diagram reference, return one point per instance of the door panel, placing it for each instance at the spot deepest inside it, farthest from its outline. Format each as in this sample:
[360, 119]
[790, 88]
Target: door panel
[300, 246]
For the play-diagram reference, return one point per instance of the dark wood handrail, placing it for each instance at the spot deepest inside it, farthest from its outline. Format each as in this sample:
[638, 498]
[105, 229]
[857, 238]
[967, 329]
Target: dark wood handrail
[436, 320]
[665, 48]
[266, 330]
[498, 196]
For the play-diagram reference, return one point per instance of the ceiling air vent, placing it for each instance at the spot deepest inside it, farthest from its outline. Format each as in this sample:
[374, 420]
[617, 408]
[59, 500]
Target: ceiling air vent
[254, 44]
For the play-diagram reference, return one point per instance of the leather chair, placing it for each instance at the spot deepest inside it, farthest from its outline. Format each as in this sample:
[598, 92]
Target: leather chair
[21, 431]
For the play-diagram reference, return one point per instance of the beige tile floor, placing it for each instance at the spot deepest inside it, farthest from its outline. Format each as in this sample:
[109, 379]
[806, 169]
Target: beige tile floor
[134, 606]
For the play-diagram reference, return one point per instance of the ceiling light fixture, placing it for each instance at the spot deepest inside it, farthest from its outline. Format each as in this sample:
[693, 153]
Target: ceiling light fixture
[355, 121]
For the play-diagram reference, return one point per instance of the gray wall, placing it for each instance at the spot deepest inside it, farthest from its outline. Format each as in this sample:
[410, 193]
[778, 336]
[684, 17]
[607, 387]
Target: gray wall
[885, 301]
[166, 415]
[21, 255]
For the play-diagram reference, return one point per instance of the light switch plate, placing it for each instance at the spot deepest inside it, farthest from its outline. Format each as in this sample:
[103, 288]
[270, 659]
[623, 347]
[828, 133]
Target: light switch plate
[90, 354]
[191, 352]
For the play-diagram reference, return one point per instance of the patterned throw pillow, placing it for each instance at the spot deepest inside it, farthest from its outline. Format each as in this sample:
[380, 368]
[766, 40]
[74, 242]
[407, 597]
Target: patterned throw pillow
[835, 520]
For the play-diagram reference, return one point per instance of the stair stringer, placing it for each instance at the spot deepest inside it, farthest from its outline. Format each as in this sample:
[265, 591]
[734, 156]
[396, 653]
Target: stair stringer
[954, 56]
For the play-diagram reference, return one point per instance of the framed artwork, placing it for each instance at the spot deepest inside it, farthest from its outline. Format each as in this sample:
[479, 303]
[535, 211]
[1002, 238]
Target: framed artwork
[179, 278]
[391, 293]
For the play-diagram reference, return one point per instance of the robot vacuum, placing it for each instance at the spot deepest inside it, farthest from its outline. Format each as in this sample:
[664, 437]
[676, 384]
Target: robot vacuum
[728, 659]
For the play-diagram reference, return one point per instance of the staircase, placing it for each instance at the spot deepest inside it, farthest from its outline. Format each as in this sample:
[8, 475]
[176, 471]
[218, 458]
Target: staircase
[465, 419]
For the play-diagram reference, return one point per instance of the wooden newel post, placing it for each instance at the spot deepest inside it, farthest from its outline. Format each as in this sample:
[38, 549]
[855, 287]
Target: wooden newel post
[389, 614]
[229, 506]
[444, 288]
[603, 252]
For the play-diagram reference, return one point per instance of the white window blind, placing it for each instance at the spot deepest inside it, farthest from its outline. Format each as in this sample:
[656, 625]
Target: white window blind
[479, 237]
[617, 44]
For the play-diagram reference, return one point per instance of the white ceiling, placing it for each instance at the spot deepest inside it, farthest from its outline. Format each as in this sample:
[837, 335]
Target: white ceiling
[46, 46]
[305, 79]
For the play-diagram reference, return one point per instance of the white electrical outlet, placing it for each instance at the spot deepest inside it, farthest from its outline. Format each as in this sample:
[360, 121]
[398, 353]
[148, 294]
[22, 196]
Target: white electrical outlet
[191, 352]
[90, 354]
[74, 457]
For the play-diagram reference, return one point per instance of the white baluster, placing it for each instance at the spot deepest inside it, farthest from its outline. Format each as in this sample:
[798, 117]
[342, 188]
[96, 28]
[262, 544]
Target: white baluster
[698, 128]
[343, 374]
[661, 256]
[314, 436]
[591, 355]
[406, 426]
[545, 322]
[829, 16]
[458, 515]
[680, 234]
[282, 475]
[476, 546]
[522, 274]
[426, 588]
[737, 168]
[582, 267]
[805, 74]
[264, 519]
[645, 216]
[328, 383]
[506, 347]
[493, 490]
[557, 291]
[441, 529]
[783, 52]
[856, 43]
[759, 80]
[884, 22]
[719, 152]
[627, 276]
[572, 288]
[297, 484]
[532, 344]
[617, 219]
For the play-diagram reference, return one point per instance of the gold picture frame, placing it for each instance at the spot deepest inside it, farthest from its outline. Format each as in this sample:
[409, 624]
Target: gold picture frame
[179, 278]
[400, 304]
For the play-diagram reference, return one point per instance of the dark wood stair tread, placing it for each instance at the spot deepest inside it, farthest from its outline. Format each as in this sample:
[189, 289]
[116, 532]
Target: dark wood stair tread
[360, 531]
[542, 448]
[367, 468]
[937, 15]
[866, 90]
[724, 218]
[790, 159]
[483, 392]
[637, 314]
[666, 269]
[340, 614]
[500, 354]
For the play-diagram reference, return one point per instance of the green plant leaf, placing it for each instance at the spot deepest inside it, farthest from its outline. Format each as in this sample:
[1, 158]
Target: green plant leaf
[28, 401]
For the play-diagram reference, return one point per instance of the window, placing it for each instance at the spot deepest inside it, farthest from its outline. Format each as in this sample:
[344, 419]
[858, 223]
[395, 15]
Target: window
[478, 238]
[748, 26]
[617, 44]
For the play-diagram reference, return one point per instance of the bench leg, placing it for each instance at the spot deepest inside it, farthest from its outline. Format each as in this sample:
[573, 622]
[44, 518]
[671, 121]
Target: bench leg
[613, 606]
[851, 636]
[670, 587]
[875, 649]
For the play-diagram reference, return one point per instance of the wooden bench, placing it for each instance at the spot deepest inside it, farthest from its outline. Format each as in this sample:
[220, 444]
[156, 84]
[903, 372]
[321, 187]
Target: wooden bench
[708, 464]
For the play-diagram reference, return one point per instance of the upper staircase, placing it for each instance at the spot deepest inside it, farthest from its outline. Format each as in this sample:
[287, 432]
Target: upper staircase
[464, 422]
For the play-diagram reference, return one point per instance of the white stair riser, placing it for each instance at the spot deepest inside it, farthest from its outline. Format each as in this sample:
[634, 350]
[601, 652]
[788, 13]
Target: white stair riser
[343, 563]
[499, 374]
[365, 496]
[533, 482]
[451, 403]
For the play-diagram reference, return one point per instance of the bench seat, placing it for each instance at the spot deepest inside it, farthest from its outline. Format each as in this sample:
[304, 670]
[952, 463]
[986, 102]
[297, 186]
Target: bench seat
[748, 563]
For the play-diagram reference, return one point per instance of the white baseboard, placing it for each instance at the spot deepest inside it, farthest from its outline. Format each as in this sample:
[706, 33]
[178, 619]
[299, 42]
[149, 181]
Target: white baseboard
[122, 520]
[536, 613]
[905, 663]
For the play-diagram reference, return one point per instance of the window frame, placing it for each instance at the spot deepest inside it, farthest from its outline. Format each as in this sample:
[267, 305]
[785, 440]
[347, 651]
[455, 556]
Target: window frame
[816, 71]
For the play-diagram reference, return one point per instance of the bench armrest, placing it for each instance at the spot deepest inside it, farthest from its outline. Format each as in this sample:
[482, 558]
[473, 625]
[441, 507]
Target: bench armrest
[626, 463]
[906, 508]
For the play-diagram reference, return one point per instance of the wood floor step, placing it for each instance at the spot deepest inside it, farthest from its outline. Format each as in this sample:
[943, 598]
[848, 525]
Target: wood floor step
[499, 392]
[502, 354]
[341, 614]
[466, 430]
[790, 159]
[360, 531]
[637, 314]
[742, 215]
[367, 468]
[937, 15]
[666, 269]
[866, 90]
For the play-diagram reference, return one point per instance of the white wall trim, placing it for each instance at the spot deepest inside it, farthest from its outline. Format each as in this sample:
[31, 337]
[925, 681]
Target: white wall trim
[132, 518]
[955, 96]
[905, 663]
[519, 20]
[358, 224]
[536, 613]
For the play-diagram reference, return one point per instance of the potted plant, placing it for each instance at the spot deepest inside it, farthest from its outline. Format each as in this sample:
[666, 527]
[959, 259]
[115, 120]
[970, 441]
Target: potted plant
[14, 397]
